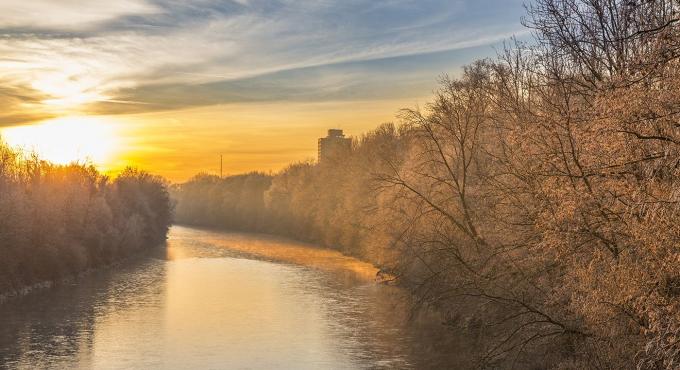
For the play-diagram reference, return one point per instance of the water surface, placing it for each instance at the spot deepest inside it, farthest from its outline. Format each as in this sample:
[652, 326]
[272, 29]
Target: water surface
[214, 300]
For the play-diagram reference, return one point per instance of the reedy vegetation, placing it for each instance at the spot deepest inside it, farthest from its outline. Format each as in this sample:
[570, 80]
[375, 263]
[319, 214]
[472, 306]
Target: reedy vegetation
[59, 221]
[534, 200]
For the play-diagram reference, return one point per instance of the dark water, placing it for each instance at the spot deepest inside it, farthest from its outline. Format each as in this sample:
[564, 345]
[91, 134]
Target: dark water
[224, 301]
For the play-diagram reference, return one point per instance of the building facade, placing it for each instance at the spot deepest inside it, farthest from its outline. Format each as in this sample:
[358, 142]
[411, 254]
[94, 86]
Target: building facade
[334, 146]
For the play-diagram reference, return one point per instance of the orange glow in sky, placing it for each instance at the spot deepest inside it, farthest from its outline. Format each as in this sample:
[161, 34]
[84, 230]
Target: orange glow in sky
[170, 86]
[68, 139]
[262, 137]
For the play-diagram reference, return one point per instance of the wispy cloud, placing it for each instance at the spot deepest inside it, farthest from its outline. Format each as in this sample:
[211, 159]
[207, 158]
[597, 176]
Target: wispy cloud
[130, 55]
[67, 14]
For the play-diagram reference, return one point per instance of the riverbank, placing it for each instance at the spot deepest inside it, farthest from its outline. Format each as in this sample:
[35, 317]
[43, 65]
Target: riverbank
[60, 221]
[270, 247]
[33, 288]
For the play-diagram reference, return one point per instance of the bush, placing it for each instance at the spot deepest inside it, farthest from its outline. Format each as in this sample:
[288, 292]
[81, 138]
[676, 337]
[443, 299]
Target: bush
[57, 221]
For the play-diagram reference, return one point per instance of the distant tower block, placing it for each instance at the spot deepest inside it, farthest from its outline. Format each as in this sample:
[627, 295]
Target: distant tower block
[334, 146]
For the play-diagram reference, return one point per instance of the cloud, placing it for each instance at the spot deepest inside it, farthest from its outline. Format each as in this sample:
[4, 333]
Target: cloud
[376, 79]
[67, 14]
[129, 55]
[26, 98]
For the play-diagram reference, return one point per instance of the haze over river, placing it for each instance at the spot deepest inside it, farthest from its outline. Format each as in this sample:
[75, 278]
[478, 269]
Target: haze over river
[216, 300]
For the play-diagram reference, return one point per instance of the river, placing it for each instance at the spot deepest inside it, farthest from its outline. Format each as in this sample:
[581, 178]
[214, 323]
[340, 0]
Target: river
[217, 300]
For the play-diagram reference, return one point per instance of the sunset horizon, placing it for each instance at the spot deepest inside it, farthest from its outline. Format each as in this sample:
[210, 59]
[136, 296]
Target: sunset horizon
[242, 79]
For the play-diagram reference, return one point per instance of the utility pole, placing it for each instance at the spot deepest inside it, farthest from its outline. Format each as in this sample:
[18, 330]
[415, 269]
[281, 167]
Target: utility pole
[220, 166]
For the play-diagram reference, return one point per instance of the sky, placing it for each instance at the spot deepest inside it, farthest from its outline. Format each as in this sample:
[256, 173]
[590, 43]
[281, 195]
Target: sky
[169, 85]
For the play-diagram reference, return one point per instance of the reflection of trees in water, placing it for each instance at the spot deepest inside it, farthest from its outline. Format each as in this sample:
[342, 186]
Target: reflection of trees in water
[376, 325]
[56, 327]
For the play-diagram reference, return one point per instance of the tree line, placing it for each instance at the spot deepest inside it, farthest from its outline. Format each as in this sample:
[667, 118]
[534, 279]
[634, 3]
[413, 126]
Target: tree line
[59, 221]
[534, 200]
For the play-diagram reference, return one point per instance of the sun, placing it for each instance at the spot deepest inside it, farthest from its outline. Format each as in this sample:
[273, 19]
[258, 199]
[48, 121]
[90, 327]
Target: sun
[68, 139]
